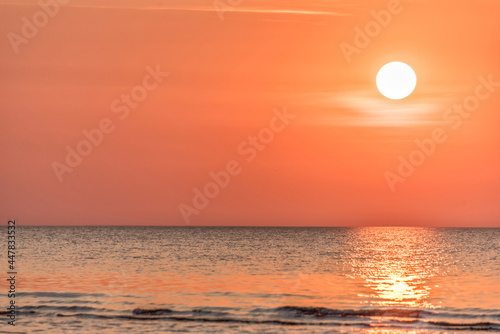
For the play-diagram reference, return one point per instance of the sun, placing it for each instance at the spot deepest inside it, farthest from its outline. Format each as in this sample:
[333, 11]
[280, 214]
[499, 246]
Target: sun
[396, 80]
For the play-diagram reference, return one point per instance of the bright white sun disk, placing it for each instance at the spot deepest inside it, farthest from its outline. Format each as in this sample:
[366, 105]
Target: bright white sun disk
[396, 80]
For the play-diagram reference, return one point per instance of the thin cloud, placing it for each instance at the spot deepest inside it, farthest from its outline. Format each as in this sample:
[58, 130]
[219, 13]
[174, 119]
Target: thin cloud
[265, 9]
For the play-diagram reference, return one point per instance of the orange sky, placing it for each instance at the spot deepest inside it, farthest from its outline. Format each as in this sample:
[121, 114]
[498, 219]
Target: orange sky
[227, 79]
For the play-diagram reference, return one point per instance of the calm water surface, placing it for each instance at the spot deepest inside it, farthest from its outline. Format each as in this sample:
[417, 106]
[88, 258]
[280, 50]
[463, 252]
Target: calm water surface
[256, 280]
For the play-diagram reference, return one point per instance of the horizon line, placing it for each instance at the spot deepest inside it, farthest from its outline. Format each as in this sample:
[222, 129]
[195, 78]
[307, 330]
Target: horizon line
[287, 226]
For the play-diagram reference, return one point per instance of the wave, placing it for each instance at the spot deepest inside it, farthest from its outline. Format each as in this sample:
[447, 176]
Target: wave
[480, 326]
[60, 294]
[289, 316]
[323, 312]
[159, 311]
[197, 319]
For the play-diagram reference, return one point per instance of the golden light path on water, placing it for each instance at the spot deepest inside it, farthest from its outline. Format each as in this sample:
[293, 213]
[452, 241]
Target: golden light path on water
[396, 270]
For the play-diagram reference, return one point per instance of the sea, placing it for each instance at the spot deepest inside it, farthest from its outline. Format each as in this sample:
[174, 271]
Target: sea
[143, 279]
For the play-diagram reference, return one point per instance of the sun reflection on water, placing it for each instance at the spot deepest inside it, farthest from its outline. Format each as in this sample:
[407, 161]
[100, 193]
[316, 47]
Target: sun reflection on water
[396, 270]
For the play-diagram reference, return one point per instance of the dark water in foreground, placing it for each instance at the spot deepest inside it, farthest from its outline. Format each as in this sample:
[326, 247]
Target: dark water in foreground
[255, 280]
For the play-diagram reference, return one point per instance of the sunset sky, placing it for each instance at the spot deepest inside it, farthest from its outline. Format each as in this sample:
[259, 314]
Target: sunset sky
[231, 71]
